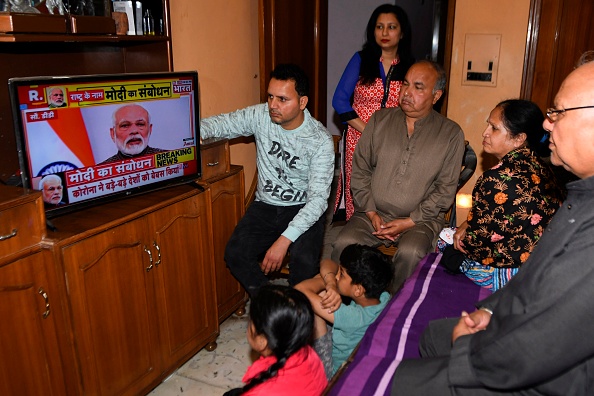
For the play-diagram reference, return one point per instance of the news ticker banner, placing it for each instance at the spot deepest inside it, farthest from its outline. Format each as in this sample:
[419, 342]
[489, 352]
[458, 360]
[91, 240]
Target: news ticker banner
[96, 181]
[91, 94]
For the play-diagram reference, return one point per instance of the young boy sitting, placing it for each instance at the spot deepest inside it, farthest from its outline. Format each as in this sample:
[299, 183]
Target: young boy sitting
[363, 275]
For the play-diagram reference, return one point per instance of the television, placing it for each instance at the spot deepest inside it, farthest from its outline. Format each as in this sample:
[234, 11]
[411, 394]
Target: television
[85, 139]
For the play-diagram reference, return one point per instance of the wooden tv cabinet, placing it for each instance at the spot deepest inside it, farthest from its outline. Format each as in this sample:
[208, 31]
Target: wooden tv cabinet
[133, 287]
[140, 286]
[227, 194]
[34, 333]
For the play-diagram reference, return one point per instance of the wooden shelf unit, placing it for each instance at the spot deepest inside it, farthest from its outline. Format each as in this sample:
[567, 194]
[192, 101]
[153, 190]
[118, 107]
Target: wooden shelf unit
[140, 286]
[50, 50]
[135, 287]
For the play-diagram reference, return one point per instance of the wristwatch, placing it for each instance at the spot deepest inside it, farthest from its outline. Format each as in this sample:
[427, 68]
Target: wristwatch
[486, 310]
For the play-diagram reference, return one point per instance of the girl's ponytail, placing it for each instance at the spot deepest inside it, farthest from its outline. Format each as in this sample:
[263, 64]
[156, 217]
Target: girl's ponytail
[285, 317]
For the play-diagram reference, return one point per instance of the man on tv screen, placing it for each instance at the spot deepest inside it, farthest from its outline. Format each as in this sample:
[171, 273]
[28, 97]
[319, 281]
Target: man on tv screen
[131, 131]
[51, 190]
[56, 97]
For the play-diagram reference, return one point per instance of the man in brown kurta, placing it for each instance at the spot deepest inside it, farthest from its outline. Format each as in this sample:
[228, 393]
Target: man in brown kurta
[405, 172]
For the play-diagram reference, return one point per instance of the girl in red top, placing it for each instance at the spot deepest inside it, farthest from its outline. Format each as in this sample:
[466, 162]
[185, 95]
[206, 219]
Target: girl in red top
[280, 329]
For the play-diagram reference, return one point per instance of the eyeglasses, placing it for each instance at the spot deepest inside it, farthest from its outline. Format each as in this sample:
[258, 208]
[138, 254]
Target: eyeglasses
[553, 114]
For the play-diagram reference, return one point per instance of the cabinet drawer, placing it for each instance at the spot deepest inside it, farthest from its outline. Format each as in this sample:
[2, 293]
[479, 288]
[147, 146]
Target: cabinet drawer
[21, 225]
[215, 158]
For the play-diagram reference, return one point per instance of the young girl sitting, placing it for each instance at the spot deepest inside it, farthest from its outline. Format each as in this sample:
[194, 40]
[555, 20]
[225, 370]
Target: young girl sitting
[280, 329]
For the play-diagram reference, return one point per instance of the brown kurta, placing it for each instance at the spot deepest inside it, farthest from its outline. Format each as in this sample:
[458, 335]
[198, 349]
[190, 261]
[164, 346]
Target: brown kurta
[400, 177]
[415, 177]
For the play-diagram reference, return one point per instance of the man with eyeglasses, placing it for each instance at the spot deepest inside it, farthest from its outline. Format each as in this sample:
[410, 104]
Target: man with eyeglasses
[535, 335]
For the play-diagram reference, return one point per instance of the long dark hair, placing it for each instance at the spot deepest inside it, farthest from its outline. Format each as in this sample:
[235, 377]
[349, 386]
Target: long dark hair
[285, 317]
[371, 52]
[524, 116]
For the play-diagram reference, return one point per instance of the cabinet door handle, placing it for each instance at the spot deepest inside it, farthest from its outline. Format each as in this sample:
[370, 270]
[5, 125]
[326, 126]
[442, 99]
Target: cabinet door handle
[150, 254]
[47, 305]
[158, 254]
[212, 163]
[12, 234]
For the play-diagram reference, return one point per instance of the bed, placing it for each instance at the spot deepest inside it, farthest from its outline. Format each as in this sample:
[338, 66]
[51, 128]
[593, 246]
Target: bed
[430, 293]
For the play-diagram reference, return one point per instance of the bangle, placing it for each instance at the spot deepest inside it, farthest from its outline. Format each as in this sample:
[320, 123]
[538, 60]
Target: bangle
[486, 310]
[327, 273]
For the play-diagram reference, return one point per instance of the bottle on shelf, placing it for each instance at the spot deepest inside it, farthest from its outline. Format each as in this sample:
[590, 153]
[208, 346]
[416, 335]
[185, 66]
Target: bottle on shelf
[148, 23]
[83, 7]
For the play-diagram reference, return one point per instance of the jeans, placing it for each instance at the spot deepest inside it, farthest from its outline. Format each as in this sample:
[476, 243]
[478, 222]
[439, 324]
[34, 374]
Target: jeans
[259, 228]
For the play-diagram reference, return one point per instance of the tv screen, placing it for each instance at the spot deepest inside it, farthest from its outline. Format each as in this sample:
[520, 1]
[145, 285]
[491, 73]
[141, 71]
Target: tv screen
[85, 139]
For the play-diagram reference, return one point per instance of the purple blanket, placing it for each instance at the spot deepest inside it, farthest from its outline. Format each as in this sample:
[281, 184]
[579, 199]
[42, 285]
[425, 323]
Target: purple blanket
[430, 293]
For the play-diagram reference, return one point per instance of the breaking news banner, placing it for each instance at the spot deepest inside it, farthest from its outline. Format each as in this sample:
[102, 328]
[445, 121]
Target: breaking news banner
[100, 180]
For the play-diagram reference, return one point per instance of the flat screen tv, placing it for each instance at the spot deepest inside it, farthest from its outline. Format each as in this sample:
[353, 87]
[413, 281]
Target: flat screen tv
[85, 139]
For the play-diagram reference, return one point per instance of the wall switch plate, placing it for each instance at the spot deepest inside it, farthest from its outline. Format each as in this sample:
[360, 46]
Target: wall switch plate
[481, 59]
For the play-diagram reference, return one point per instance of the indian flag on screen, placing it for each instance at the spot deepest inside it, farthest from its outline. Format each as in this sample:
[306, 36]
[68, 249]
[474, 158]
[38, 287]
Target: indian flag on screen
[57, 140]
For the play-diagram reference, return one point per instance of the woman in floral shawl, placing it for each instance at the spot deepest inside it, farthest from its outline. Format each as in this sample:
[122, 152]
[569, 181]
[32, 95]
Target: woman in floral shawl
[513, 201]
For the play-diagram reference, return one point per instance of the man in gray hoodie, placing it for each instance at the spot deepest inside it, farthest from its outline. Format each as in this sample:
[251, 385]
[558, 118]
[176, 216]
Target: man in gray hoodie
[295, 162]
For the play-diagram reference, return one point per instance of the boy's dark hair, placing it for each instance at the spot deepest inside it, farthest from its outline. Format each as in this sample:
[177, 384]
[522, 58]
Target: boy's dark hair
[289, 71]
[367, 267]
[285, 317]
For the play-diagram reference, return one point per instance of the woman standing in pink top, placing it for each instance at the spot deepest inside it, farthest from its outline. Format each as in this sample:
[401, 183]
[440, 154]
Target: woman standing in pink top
[371, 80]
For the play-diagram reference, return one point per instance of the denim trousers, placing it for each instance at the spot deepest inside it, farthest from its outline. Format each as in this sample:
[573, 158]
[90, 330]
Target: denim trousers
[257, 230]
